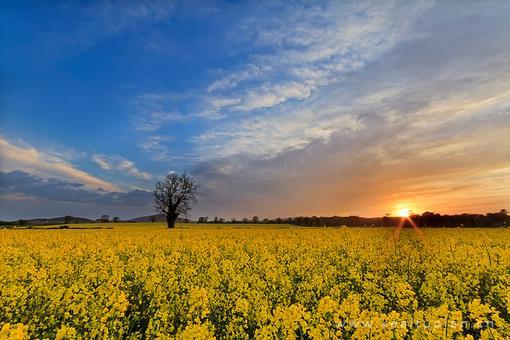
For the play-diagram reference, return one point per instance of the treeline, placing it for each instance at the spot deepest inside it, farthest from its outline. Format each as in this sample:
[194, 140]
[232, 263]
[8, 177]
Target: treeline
[427, 220]
[432, 220]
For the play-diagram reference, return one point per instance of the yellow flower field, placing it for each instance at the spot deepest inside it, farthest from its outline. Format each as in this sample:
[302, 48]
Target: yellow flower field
[242, 282]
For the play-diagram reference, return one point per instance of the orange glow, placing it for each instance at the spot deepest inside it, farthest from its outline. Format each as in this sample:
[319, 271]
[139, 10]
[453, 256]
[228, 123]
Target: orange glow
[403, 209]
[403, 212]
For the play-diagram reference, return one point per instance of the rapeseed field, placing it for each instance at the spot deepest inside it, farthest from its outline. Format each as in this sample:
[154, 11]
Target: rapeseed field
[145, 281]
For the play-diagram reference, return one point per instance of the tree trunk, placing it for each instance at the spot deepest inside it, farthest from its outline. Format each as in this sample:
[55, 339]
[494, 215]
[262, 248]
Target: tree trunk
[170, 220]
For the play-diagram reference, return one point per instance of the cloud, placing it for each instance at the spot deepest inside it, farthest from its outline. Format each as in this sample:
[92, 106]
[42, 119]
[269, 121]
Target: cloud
[348, 175]
[269, 96]
[57, 195]
[156, 146]
[312, 47]
[118, 163]
[27, 158]
[32, 186]
[426, 123]
[154, 111]
[293, 58]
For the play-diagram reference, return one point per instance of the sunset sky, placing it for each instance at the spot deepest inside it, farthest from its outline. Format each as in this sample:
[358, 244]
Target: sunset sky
[276, 109]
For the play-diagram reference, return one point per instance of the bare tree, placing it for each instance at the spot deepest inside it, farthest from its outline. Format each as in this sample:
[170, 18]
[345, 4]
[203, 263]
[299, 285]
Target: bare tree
[104, 219]
[174, 195]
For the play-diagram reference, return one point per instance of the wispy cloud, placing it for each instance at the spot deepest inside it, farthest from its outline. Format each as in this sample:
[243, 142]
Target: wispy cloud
[154, 111]
[21, 156]
[409, 122]
[118, 163]
[313, 47]
[32, 186]
[269, 104]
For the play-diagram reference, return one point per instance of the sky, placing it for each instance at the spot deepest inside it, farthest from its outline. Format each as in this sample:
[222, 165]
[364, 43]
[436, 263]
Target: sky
[275, 108]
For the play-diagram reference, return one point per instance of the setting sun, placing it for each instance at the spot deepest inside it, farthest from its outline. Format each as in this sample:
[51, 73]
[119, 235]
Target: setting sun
[403, 212]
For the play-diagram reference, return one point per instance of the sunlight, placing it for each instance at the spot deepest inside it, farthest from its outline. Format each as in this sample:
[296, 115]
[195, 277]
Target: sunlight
[404, 212]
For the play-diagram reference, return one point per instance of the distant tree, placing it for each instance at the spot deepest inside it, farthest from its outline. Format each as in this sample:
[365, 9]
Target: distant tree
[67, 219]
[245, 220]
[215, 219]
[115, 219]
[174, 196]
[498, 218]
[22, 223]
[255, 219]
[105, 218]
[233, 220]
[203, 219]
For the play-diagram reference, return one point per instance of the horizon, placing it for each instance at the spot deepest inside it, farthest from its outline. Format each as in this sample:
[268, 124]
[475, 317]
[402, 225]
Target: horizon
[275, 109]
[284, 218]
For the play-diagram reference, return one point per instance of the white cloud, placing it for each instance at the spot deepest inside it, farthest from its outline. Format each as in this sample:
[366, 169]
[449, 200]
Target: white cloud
[269, 96]
[156, 146]
[270, 104]
[117, 163]
[20, 156]
[314, 47]
[102, 162]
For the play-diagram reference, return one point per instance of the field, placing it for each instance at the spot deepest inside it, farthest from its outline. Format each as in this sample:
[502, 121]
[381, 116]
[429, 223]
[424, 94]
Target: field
[144, 280]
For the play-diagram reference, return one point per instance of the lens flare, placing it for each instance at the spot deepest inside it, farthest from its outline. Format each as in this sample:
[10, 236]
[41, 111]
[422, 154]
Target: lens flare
[403, 212]
[405, 215]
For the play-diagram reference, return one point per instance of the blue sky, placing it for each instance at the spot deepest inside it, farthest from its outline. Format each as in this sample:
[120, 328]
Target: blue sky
[275, 108]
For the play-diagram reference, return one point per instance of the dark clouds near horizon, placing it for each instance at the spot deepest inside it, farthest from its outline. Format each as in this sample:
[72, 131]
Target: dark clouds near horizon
[24, 188]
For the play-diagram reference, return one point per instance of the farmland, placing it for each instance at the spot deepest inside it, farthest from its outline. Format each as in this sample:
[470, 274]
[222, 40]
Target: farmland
[143, 280]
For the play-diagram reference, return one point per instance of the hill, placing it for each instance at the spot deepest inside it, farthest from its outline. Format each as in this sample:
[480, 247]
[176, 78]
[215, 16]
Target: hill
[51, 221]
[154, 218]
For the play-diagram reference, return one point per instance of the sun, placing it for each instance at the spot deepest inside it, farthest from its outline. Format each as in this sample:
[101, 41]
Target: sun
[403, 212]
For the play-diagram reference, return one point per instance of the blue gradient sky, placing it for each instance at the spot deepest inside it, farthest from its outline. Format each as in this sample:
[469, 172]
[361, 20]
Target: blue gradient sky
[277, 109]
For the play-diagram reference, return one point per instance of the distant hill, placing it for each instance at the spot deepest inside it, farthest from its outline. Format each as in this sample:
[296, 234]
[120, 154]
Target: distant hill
[74, 219]
[51, 221]
[59, 220]
[149, 218]
[153, 218]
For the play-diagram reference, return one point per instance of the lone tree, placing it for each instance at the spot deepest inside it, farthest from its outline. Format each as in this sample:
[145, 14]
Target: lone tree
[174, 195]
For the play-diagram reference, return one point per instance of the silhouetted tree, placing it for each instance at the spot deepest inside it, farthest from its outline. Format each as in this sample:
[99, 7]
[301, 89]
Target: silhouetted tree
[104, 218]
[255, 219]
[174, 196]
[115, 219]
